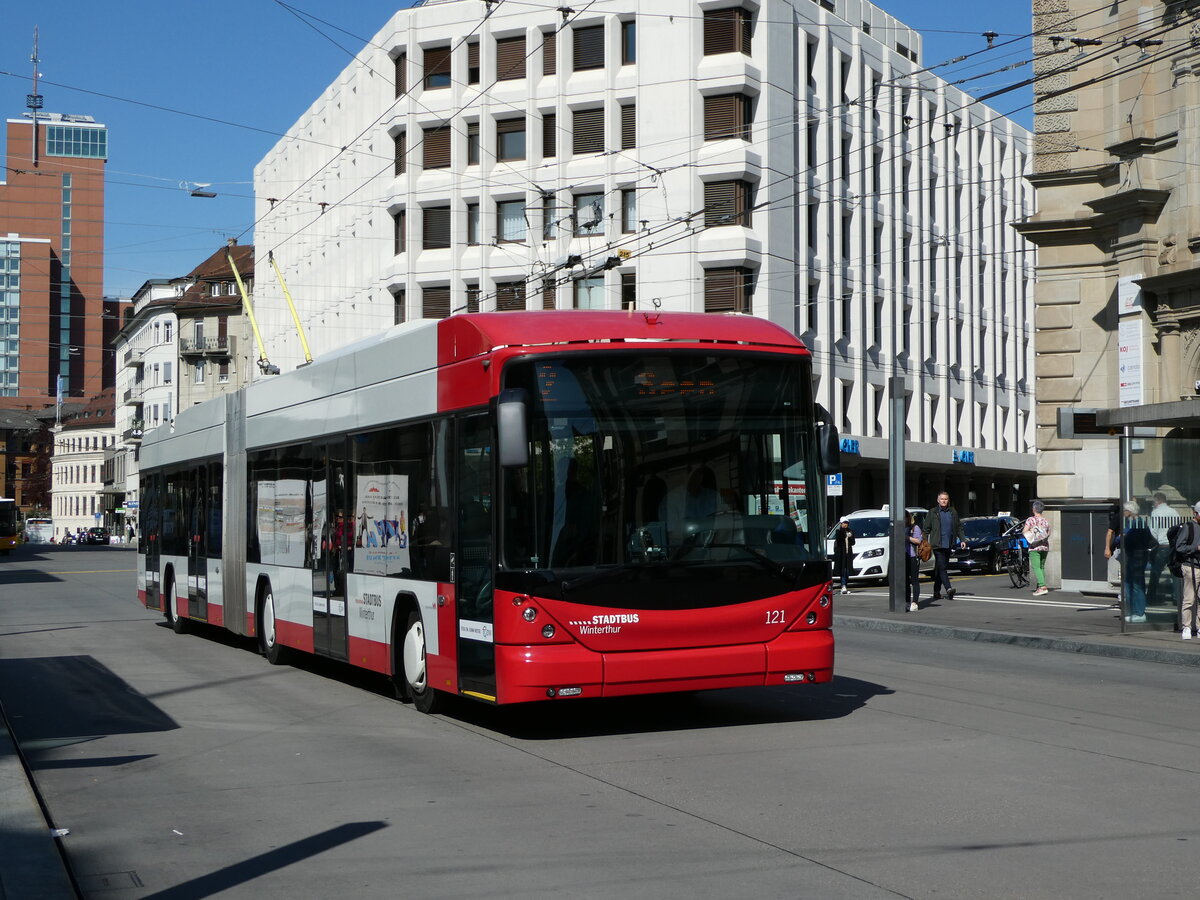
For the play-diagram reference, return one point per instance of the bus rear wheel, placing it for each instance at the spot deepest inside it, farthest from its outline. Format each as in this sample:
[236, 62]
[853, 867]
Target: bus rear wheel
[416, 674]
[268, 640]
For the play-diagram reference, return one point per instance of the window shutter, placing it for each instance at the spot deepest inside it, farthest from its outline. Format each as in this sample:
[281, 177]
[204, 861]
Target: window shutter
[549, 52]
[725, 203]
[401, 75]
[436, 140]
[725, 116]
[588, 131]
[435, 302]
[401, 151]
[437, 67]
[549, 294]
[514, 148]
[549, 134]
[510, 296]
[435, 231]
[628, 126]
[473, 62]
[726, 31]
[589, 48]
[510, 58]
[472, 298]
[726, 290]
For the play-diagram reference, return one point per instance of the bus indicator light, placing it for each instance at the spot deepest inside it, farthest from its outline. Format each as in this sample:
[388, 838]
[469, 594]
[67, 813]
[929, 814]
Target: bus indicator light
[570, 691]
[793, 676]
[548, 631]
[812, 618]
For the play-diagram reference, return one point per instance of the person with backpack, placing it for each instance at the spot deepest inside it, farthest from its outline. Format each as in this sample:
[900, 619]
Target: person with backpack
[1036, 532]
[1184, 541]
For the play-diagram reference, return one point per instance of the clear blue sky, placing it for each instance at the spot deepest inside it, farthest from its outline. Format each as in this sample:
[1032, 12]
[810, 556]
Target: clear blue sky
[251, 67]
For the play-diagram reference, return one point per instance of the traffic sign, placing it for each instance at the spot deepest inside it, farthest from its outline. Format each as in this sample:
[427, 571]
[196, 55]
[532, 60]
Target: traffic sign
[833, 485]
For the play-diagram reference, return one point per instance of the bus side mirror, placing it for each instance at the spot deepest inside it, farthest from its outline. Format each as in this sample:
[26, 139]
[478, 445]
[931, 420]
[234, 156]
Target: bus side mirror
[512, 426]
[829, 449]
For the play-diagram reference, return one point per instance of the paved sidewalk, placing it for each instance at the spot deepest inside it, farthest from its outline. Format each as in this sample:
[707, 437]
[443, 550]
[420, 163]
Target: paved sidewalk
[988, 608]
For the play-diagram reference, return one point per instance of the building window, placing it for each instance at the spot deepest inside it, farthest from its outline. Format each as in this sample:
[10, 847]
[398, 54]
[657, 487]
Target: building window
[589, 48]
[588, 131]
[628, 126]
[398, 306]
[472, 298]
[401, 143]
[436, 141]
[197, 378]
[87, 142]
[435, 228]
[435, 302]
[401, 75]
[727, 116]
[549, 52]
[472, 143]
[510, 220]
[223, 372]
[727, 203]
[167, 332]
[629, 211]
[629, 290]
[510, 139]
[549, 294]
[589, 292]
[398, 227]
[727, 31]
[198, 332]
[510, 58]
[473, 224]
[728, 289]
[437, 68]
[549, 135]
[510, 296]
[473, 62]
[549, 216]
[628, 43]
[588, 216]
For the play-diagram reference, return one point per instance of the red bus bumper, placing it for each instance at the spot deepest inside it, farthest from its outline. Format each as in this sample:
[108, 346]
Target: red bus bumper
[528, 673]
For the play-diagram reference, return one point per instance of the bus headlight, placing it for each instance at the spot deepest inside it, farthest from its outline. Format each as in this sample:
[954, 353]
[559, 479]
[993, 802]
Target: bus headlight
[547, 631]
[811, 618]
[529, 614]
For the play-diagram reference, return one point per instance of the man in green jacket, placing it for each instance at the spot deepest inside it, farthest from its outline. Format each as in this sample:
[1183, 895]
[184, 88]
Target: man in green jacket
[945, 533]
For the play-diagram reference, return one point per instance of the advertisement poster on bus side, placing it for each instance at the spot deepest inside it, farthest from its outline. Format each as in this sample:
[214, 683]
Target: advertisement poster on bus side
[381, 532]
[289, 521]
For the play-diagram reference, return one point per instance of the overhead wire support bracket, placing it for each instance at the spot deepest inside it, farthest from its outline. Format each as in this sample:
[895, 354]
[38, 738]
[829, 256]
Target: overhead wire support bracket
[264, 364]
[291, 308]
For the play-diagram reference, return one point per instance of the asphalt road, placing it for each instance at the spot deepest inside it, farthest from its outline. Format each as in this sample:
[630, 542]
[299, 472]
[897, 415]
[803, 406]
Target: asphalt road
[187, 767]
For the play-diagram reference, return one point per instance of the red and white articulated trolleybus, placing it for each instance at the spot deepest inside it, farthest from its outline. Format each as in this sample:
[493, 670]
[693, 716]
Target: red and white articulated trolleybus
[512, 506]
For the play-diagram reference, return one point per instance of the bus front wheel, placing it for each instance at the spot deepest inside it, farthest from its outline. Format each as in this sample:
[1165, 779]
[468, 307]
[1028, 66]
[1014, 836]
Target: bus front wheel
[178, 622]
[416, 675]
[268, 640]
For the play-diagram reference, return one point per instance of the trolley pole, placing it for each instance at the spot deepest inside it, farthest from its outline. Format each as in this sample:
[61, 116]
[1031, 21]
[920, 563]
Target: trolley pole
[897, 570]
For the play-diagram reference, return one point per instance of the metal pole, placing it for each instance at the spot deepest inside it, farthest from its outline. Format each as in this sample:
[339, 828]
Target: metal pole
[898, 573]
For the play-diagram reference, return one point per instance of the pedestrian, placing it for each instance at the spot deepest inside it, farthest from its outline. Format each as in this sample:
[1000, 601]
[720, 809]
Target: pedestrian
[1036, 531]
[1136, 542]
[1112, 545]
[843, 552]
[945, 533]
[1184, 542]
[912, 562]
[1162, 518]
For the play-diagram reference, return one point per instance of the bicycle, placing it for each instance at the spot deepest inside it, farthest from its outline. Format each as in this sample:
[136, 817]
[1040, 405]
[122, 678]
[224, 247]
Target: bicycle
[1014, 560]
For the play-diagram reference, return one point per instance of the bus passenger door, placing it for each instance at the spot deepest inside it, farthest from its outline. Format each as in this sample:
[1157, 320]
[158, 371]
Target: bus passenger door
[149, 537]
[332, 525]
[197, 574]
[473, 560]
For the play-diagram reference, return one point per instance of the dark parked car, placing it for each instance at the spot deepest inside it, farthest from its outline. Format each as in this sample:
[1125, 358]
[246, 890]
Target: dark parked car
[986, 537]
[95, 536]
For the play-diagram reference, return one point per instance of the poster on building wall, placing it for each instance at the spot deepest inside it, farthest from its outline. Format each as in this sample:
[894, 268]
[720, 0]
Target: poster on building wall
[1129, 294]
[1129, 361]
[381, 532]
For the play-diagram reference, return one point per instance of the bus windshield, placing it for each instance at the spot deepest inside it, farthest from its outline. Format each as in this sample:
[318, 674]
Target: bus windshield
[648, 460]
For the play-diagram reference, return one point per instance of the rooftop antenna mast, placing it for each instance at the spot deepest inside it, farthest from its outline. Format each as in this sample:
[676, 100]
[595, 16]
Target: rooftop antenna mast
[34, 101]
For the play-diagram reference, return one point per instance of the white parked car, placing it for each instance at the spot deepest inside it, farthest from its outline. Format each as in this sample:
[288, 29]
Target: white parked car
[872, 547]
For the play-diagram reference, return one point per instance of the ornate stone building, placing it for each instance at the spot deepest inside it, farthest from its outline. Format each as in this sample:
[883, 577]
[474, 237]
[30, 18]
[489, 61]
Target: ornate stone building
[1117, 322]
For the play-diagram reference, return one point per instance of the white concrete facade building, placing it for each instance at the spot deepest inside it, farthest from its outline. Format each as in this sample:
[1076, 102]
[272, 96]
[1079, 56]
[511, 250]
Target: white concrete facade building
[785, 158]
[77, 465]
